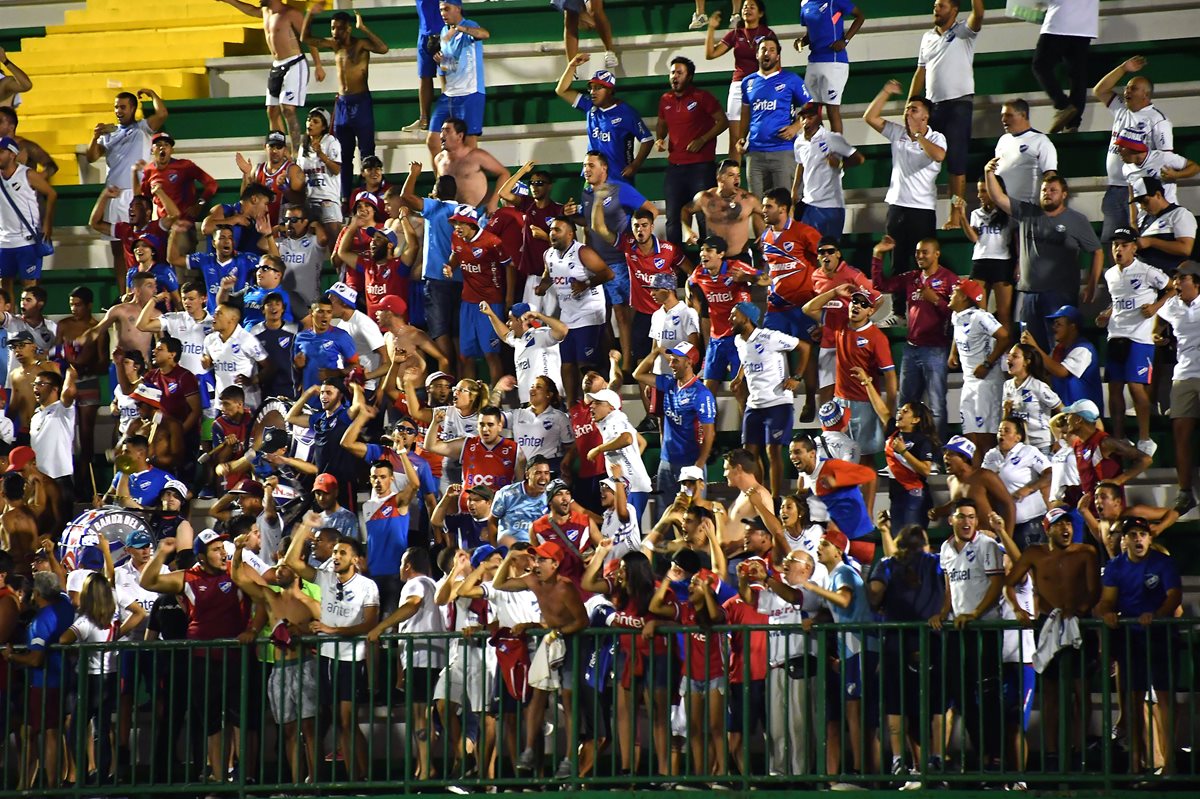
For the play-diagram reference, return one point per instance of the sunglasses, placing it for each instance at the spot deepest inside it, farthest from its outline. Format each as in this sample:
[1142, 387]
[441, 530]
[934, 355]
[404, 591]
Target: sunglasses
[408, 431]
[860, 303]
[292, 220]
[827, 251]
[340, 591]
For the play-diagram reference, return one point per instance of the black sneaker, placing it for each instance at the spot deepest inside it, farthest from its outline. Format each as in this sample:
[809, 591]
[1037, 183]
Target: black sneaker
[1184, 502]
[648, 425]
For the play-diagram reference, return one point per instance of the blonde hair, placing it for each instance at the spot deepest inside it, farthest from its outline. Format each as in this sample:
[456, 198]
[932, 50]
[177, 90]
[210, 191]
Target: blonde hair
[96, 600]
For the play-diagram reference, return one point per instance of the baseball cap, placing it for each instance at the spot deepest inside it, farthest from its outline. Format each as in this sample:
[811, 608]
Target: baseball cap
[465, 213]
[343, 293]
[438, 376]
[870, 297]
[20, 337]
[604, 78]
[322, 113]
[10, 144]
[326, 482]
[755, 523]
[1124, 234]
[485, 551]
[205, 538]
[20, 457]
[554, 486]
[971, 289]
[1145, 187]
[392, 304]
[961, 445]
[483, 491]
[250, 488]
[1069, 312]
[1056, 515]
[688, 560]
[715, 243]
[369, 199]
[277, 137]
[179, 488]
[692, 473]
[686, 349]
[1131, 141]
[521, 189]
[390, 235]
[273, 438]
[91, 557]
[162, 136]
[663, 280]
[372, 161]
[611, 484]
[1189, 268]
[605, 395]
[138, 539]
[1135, 524]
[550, 549]
[838, 539]
[750, 311]
[1084, 409]
[519, 310]
[150, 395]
[832, 414]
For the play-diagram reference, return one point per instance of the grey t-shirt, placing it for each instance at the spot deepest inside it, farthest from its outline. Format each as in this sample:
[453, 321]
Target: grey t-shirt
[303, 257]
[1050, 247]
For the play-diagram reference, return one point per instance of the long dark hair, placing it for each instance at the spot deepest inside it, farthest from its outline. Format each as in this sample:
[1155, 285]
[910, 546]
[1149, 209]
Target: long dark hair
[910, 543]
[1036, 367]
[925, 423]
[639, 581]
[762, 10]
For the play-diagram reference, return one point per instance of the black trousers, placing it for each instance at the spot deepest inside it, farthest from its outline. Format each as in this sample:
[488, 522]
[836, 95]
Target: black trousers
[974, 673]
[682, 183]
[908, 226]
[1072, 51]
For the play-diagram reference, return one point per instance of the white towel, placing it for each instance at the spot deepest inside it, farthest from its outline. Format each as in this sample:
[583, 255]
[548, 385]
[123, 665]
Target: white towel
[543, 669]
[1058, 633]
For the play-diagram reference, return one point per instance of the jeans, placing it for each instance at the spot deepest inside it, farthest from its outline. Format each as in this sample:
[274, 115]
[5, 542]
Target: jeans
[667, 483]
[683, 182]
[1053, 48]
[1032, 309]
[909, 507]
[923, 379]
[769, 170]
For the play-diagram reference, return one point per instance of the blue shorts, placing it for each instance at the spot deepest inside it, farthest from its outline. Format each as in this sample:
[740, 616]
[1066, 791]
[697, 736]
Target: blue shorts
[440, 299]
[468, 108]
[476, 336]
[1129, 361]
[427, 45]
[581, 344]
[721, 362]
[25, 263]
[771, 425]
[1019, 681]
[792, 321]
[617, 289]
[827, 221]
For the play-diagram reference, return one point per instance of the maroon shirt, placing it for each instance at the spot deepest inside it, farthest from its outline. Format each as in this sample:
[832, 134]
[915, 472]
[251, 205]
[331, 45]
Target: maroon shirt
[534, 251]
[928, 322]
[688, 117]
[176, 386]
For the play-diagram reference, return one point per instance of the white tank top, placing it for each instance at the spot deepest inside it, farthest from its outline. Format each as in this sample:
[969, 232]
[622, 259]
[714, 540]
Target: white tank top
[13, 232]
[575, 310]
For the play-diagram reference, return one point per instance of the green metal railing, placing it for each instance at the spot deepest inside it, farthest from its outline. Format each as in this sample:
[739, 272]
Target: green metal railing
[800, 726]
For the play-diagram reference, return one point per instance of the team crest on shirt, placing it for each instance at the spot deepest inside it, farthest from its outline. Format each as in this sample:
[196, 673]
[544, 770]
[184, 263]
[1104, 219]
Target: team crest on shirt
[861, 342]
[758, 347]
[171, 387]
[284, 341]
[971, 554]
[660, 263]
[386, 510]
[547, 424]
[617, 120]
[788, 246]
[477, 252]
[1151, 581]
[235, 348]
[692, 105]
[1060, 228]
[1023, 148]
[173, 178]
[226, 586]
[1135, 283]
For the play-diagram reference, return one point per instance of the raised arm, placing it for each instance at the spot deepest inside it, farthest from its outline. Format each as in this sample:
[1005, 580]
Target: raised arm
[153, 579]
[563, 89]
[999, 195]
[1105, 90]
[874, 113]
[96, 221]
[294, 557]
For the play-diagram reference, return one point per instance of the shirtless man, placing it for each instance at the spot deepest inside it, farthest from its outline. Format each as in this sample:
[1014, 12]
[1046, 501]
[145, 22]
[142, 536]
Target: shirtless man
[729, 212]
[292, 691]
[42, 495]
[1105, 509]
[469, 166]
[124, 316]
[164, 432]
[29, 361]
[32, 154]
[741, 473]
[18, 526]
[353, 115]
[562, 613]
[408, 347]
[982, 486]
[90, 362]
[287, 86]
[1066, 577]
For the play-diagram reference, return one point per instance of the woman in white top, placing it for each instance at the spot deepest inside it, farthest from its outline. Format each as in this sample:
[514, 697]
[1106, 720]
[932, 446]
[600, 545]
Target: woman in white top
[994, 258]
[541, 428]
[320, 156]
[98, 622]
[1028, 397]
[467, 399]
[1025, 472]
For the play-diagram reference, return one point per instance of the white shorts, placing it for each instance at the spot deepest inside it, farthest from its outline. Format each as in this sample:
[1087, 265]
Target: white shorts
[292, 689]
[118, 209]
[981, 402]
[733, 106]
[294, 89]
[826, 80]
[826, 367]
[547, 304]
[465, 675]
[324, 210]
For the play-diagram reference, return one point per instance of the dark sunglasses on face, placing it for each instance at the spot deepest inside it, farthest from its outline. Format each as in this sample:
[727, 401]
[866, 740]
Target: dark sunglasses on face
[408, 431]
[290, 220]
[860, 303]
[827, 251]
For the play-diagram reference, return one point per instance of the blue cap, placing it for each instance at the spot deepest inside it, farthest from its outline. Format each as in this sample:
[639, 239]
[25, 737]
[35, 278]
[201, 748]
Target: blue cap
[10, 144]
[466, 213]
[485, 551]
[138, 539]
[831, 414]
[604, 78]
[519, 310]
[961, 445]
[750, 311]
[663, 280]
[390, 235]
[521, 189]
[1067, 312]
[91, 558]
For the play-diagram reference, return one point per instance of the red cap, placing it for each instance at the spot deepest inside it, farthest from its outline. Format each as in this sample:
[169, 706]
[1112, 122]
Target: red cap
[550, 549]
[396, 305]
[325, 482]
[838, 539]
[19, 457]
[972, 290]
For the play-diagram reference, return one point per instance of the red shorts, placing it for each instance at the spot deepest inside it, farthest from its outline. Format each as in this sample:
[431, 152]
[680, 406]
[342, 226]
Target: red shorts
[44, 711]
[863, 552]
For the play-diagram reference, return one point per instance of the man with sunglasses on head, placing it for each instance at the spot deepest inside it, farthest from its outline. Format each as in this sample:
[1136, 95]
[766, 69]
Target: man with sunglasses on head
[303, 247]
[268, 281]
[830, 273]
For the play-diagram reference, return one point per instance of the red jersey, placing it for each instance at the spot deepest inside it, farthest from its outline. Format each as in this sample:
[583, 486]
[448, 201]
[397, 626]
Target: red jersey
[508, 225]
[834, 314]
[534, 249]
[867, 347]
[738, 612]
[722, 292]
[127, 234]
[744, 43]
[705, 656]
[493, 467]
[483, 262]
[178, 180]
[361, 247]
[689, 116]
[572, 534]
[376, 195]
[663, 259]
[791, 256]
[277, 182]
[633, 646]
[378, 280]
[215, 606]
[1094, 468]
[587, 438]
[223, 427]
[176, 386]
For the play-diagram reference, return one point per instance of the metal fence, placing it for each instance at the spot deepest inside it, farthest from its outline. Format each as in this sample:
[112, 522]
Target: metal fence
[448, 712]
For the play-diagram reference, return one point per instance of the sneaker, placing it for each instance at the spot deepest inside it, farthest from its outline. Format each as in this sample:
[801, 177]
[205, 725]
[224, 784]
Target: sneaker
[699, 22]
[846, 786]
[1147, 446]
[1016, 786]
[912, 785]
[611, 61]
[891, 321]
[527, 761]
[457, 789]
[416, 126]
[1064, 118]
[334, 757]
[1184, 502]
[564, 769]
[898, 767]
[734, 21]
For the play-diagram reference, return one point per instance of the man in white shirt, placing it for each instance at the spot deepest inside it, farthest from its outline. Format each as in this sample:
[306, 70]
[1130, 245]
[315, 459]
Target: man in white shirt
[1027, 156]
[1182, 312]
[234, 356]
[620, 447]
[1067, 32]
[1167, 232]
[1139, 161]
[917, 154]
[818, 181]
[946, 74]
[534, 338]
[979, 345]
[368, 339]
[52, 431]
[190, 326]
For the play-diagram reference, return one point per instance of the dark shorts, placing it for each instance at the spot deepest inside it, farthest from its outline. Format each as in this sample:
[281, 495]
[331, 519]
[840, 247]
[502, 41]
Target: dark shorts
[442, 298]
[1129, 361]
[137, 668]
[419, 683]
[735, 712]
[993, 270]
[22, 262]
[581, 344]
[792, 321]
[721, 362]
[216, 701]
[595, 710]
[1115, 207]
[767, 426]
[827, 221]
[45, 709]
[355, 112]
[468, 108]
[617, 289]
[342, 680]
[641, 336]
[476, 336]
[1019, 682]
[656, 672]
[1146, 660]
[952, 118]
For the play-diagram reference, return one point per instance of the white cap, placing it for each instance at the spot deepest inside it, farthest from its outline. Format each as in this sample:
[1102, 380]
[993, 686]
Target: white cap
[605, 395]
[344, 293]
[692, 473]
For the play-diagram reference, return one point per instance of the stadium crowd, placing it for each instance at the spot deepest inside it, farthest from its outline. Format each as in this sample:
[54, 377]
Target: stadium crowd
[415, 412]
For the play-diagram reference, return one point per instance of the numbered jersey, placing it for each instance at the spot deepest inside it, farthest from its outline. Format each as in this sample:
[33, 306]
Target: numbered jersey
[277, 181]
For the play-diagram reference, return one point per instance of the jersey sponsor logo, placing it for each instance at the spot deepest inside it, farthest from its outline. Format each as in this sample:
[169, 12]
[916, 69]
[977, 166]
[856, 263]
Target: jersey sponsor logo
[764, 105]
[601, 135]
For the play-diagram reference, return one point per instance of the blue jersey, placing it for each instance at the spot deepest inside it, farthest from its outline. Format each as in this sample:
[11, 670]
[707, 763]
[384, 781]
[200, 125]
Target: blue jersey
[618, 210]
[825, 23]
[437, 215]
[774, 100]
[241, 266]
[848, 511]
[245, 237]
[685, 409]
[429, 19]
[1085, 385]
[859, 610]
[914, 591]
[332, 349]
[426, 482]
[48, 625]
[387, 535]
[514, 510]
[165, 278]
[613, 131]
[464, 530]
[1141, 587]
[145, 486]
[252, 304]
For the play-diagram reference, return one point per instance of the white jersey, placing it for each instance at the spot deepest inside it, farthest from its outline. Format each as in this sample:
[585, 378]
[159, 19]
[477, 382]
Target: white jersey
[1064, 469]
[973, 337]
[1072, 18]
[784, 646]
[1033, 402]
[128, 590]
[1024, 158]
[191, 334]
[367, 339]
[547, 434]
[1019, 645]
[344, 605]
[1022, 465]
[536, 354]
[320, 185]
[237, 356]
[1149, 125]
[13, 232]
[427, 652]
[949, 62]
[1130, 288]
[969, 572]
[995, 235]
[1153, 165]
[99, 661]
[670, 328]
[629, 457]
[126, 409]
[52, 436]
[765, 366]
[626, 535]
[822, 183]
[575, 310]
[511, 608]
[123, 147]
[913, 183]
[1185, 318]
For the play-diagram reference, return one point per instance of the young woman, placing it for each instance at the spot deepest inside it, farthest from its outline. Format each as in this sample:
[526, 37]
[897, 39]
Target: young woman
[993, 260]
[467, 399]
[911, 451]
[320, 157]
[1028, 397]
[1025, 472]
[542, 428]
[743, 40]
